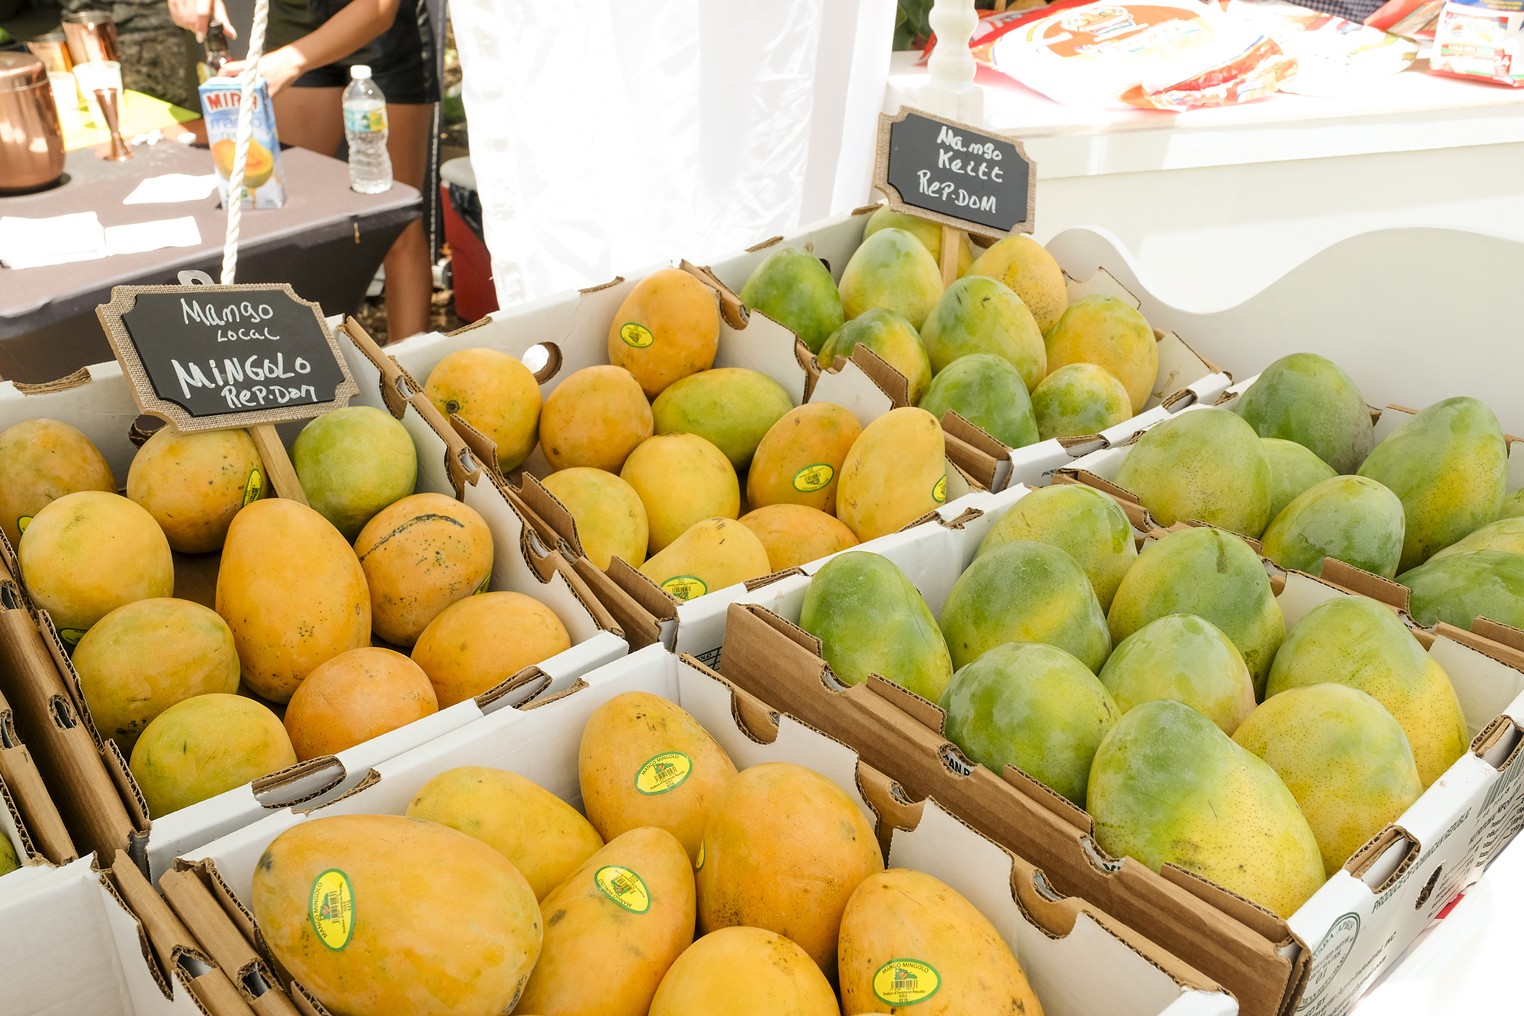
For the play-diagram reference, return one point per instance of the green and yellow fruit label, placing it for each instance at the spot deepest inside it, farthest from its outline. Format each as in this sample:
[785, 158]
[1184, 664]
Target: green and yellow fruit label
[685, 587]
[700, 862]
[813, 477]
[939, 492]
[22, 523]
[636, 335]
[253, 487]
[905, 982]
[333, 909]
[664, 772]
[624, 887]
[71, 636]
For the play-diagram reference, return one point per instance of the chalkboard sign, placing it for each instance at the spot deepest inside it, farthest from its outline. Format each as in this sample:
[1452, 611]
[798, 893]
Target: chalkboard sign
[208, 357]
[954, 174]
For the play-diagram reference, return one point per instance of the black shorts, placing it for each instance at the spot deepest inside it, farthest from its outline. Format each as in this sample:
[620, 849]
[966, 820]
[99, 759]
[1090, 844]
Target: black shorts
[401, 59]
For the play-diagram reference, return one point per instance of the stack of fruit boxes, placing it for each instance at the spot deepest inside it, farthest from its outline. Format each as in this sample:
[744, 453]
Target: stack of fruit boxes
[1078, 958]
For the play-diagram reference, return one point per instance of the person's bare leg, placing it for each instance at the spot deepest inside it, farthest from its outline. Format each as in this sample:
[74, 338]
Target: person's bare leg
[409, 275]
[311, 118]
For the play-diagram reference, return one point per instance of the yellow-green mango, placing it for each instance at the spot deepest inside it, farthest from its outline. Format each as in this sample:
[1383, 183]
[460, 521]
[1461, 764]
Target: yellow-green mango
[41, 460]
[1460, 588]
[1351, 518]
[1356, 641]
[205, 745]
[1185, 658]
[891, 269]
[988, 392]
[795, 289]
[1507, 533]
[1513, 504]
[1211, 574]
[353, 462]
[1168, 787]
[1293, 469]
[1449, 467]
[1079, 399]
[895, 472]
[1110, 333]
[928, 232]
[870, 619]
[711, 554]
[799, 459]
[1031, 272]
[681, 479]
[1024, 591]
[891, 338]
[730, 407]
[1309, 399]
[1032, 706]
[1205, 465]
[979, 315]
[9, 862]
[1081, 521]
[1342, 756]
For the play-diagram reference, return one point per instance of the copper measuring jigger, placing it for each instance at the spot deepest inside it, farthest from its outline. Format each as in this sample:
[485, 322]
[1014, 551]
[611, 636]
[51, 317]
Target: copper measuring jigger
[31, 140]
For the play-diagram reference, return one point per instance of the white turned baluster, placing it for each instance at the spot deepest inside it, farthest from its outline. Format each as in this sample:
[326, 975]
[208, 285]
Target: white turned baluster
[950, 90]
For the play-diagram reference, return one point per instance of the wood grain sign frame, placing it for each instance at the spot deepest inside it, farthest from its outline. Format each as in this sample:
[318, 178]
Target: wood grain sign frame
[334, 385]
[887, 148]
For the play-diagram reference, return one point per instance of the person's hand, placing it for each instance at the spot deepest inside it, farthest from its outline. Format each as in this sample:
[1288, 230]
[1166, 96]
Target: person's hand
[195, 15]
[279, 68]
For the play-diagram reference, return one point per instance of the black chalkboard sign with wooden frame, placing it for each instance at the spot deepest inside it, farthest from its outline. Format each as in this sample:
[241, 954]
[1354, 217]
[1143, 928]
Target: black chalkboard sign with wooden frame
[211, 357]
[954, 174]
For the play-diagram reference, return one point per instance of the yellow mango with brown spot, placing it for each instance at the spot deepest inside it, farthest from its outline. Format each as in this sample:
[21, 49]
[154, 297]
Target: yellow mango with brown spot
[743, 971]
[666, 328]
[712, 554]
[645, 761]
[784, 849]
[609, 515]
[545, 838]
[205, 745]
[385, 914]
[194, 483]
[681, 479]
[594, 418]
[274, 548]
[626, 913]
[910, 939]
[895, 473]
[794, 535]
[41, 460]
[799, 458]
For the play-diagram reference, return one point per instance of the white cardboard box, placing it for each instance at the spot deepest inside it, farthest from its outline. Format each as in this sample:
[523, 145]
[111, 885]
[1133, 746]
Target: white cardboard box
[1092, 966]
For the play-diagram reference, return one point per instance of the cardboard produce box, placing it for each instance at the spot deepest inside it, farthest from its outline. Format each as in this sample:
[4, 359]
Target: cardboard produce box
[1315, 962]
[29, 819]
[1078, 959]
[92, 778]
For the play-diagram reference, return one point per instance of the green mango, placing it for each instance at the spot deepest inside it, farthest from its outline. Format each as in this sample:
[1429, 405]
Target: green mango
[1079, 399]
[1293, 468]
[1513, 504]
[1024, 592]
[9, 862]
[989, 393]
[1356, 641]
[1507, 533]
[1201, 464]
[891, 269]
[1459, 588]
[1032, 706]
[730, 407]
[891, 338]
[1081, 521]
[1185, 658]
[870, 619]
[1309, 399]
[979, 315]
[1449, 467]
[1209, 573]
[1351, 518]
[795, 289]
[1168, 787]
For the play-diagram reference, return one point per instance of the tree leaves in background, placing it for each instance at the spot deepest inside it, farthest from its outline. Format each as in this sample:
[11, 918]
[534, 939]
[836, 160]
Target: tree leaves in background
[912, 22]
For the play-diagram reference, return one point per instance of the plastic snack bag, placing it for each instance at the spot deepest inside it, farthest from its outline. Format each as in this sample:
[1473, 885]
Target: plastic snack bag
[1480, 39]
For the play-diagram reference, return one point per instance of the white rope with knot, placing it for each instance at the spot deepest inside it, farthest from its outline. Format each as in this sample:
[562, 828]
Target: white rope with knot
[241, 144]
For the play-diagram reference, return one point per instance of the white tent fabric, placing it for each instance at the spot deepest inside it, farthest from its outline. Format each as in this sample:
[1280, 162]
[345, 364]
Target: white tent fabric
[608, 135]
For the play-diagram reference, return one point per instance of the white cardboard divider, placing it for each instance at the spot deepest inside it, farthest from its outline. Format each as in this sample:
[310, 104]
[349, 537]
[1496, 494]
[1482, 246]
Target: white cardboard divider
[1084, 971]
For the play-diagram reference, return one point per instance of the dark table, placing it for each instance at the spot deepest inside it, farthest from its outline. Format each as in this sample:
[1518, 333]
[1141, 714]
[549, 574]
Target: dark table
[327, 242]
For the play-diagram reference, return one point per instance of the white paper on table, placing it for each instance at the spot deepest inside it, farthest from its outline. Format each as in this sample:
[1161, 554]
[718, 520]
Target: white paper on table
[172, 187]
[137, 237]
[56, 240]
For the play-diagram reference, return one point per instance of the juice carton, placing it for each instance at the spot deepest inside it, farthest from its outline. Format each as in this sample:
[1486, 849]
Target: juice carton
[263, 184]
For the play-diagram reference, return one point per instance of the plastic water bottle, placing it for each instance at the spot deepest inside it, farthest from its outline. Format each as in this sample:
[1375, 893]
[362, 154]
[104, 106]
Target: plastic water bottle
[370, 168]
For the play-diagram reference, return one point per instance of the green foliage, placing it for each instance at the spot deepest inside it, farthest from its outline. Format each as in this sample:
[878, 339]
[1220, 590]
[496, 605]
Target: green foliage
[912, 22]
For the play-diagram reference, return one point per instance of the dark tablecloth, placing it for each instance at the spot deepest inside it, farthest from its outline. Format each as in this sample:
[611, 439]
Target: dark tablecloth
[327, 242]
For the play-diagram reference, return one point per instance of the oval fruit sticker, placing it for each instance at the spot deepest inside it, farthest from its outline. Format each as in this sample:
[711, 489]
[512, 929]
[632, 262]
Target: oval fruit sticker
[253, 487]
[939, 492]
[624, 887]
[663, 772]
[905, 982]
[333, 909]
[813, 477]
[636, 335]
[685, 587]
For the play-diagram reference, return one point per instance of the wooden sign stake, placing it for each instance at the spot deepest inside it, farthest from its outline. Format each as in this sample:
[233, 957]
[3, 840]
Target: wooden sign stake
[279, 470]
[952, 241]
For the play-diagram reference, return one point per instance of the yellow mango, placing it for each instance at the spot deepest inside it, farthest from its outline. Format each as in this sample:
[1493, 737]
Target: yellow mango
[1028, 270]
[1110, 333]
[743, 971]
[477, 643]
[608, 513]
[666, 328]
[595, 417]
[794, 535]
[710, 555]
[681, 479]
[41, 460]
[205, 745]
[799, 458]
[193, 484]
[895, 473]
[493, 392]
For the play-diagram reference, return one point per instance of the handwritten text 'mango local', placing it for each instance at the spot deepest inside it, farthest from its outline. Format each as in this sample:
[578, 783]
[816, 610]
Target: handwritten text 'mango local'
[234, 322]
[957, 158]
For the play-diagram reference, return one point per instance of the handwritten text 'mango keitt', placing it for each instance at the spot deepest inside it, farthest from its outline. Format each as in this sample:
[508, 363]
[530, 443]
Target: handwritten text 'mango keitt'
[957, 158]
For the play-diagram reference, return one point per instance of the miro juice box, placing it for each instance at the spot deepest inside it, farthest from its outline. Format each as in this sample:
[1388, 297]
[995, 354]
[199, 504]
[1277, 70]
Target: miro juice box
[263, 184]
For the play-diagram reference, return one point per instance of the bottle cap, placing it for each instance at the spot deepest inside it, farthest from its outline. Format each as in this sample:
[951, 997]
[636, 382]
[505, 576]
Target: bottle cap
[359, 72]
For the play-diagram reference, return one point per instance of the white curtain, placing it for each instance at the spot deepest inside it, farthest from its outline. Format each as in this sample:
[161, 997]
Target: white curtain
[609, 135]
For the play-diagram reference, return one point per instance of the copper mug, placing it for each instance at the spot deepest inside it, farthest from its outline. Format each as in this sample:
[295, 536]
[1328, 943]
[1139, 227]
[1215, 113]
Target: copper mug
[31, 140]
[91, 35]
